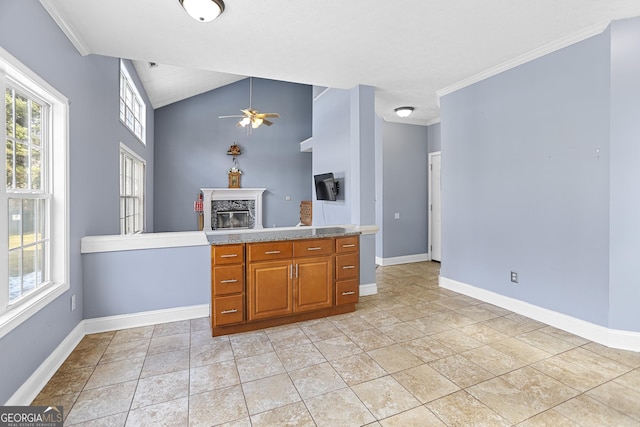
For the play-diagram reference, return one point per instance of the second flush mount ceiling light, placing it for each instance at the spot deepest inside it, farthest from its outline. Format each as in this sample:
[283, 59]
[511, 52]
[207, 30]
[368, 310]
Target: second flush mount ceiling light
[203, 10]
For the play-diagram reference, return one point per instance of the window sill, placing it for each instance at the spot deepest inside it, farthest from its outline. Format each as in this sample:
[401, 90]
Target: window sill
[16, 316]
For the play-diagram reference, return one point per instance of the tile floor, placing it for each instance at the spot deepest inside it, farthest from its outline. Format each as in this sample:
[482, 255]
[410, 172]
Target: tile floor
[412, 355]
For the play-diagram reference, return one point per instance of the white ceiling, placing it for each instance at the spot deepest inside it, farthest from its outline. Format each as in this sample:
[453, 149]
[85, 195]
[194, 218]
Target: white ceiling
[406, 49]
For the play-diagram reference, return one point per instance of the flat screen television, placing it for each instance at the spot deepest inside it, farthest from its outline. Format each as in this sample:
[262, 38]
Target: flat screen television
[325, 187]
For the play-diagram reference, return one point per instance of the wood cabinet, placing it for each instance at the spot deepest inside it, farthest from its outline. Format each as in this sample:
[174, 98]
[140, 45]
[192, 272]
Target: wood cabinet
[282, 282]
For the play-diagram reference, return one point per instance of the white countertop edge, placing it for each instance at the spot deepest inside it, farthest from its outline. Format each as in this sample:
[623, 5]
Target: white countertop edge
[115, 243]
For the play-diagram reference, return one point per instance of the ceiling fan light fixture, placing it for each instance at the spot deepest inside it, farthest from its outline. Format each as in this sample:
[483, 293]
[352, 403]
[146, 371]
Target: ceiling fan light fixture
[404, 111]
[203, 10]
[256, 122]
[244, 122]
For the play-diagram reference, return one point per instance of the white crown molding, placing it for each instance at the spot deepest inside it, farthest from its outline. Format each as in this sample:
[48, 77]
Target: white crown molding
[52, 7]
[626, 340]
[527, 57]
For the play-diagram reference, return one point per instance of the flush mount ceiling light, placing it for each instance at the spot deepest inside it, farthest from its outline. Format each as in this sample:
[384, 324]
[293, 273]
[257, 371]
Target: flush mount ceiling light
[203, 10]
[404, 111]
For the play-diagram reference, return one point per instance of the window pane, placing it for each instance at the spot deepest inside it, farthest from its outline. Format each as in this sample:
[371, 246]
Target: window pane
[40, 215]
[21, 118]
[10, 164]
[28, 221]
[36, 126]
[15, 278]
[22, 166]
[36, 169]
[39, 263]
[15, 224]
[8, 99]
[122, 109]
[28, 268]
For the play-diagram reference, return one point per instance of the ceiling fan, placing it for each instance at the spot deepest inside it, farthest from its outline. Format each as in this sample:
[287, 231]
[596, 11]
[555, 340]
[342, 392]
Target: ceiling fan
[250, 116]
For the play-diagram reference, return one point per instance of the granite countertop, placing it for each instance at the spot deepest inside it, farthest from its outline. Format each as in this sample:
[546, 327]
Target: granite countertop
[266, 235]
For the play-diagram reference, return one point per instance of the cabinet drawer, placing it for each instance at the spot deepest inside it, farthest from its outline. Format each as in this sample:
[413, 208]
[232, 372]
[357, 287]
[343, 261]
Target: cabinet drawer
[347, 244]
[228, 279]
[227, 254]
[347, 291]
[312, 247]
[347, 266]
[227, 310]
[269, 251]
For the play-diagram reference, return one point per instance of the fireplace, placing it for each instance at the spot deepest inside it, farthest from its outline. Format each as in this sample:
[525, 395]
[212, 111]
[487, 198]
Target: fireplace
[232, 208]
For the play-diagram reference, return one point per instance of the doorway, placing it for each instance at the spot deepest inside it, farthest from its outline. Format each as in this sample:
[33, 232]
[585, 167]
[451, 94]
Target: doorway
[435, 208]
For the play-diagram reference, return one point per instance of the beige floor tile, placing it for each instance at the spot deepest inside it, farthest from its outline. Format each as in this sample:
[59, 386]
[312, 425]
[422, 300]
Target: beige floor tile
[402, 332]
[315, 380]
[210, 353]
[161, 388]
[116, 420]
[425, 383]
[337, 347]
[455, 303]
[217, 407]
[417, 417]
[241, 422]
[550, 418]
[86, 356]
[520, 350]
[260, 366]
[461, 410]
[292, 337]
[339, 408]
[385, 397]
[405, 314]
[589, 412]
[201, 324]
[167, 343]
[92, 340]
[493, 360]
[321, 330]
[172, 328]
[357, 369]
[174, 413]
[618, 397]
[453, 319]
[212, 377]
[629, 358]
[457, 341]
[590, 360]
[395, 358]
[100, 402]
[300, 356]
[67, 382]
[428, 325]
[250, 344]
[578, 377]
[476, 312]
[564, 335]
[546, 342]
[163, 363]
[115, 372]
[269, 393]
[125, 350]
[293, 415]
[132, 334]
[203, 337]
[370, 339]
[630, 379]
[483, 333]
[349, 325]
[508, 326]
[461, 371]
[65, 400]
[427, 349]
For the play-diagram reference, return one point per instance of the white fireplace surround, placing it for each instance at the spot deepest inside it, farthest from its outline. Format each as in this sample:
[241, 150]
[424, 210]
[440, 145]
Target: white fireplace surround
[210, 194]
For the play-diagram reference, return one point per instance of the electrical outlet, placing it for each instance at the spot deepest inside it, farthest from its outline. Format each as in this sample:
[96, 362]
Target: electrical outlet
[514, 276]
[73, 302]
[287, 198]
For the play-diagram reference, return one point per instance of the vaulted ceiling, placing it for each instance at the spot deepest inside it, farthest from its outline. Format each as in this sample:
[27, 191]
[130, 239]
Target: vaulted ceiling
[406, 49]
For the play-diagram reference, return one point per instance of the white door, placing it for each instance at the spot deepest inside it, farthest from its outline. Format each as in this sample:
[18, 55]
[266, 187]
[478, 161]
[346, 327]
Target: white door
[435, 217]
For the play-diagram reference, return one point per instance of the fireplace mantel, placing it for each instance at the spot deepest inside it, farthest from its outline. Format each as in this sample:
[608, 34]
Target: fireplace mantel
[210, 194]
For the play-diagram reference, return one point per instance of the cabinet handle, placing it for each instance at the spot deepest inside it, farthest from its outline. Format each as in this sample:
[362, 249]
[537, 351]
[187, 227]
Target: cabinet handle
[271, 252]
[314, 249]
[296, 271]
[348, 293]
[229, 281]
[229, 256]
[348, 267]
[290, 271]
[229, 311]
[350, 245]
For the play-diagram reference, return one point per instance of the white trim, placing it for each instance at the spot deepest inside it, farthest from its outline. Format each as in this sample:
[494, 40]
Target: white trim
[112, 243]
[254, 194]
[368, 289]
[36, 382]
[527, 57]
[326, 89]
[406, 259]
[429, 201]
[51, 6]
[626, 340]
[306, 146]
[145, 318]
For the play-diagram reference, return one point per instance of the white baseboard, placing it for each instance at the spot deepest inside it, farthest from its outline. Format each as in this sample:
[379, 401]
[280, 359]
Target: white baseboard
[36, 382]
[368, 289]
[402, 259]
[124, 321]
[625, 340]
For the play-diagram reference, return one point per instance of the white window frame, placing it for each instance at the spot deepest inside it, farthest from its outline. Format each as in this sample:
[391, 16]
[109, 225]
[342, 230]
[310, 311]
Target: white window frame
[131, 102]
[126, 152]
[55, 165]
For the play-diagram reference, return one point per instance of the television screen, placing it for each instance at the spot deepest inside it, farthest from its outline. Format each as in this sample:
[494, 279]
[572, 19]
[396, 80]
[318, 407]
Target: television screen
[325, 187]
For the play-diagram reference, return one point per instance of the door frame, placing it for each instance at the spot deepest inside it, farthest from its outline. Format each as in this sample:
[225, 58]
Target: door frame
[429, 200]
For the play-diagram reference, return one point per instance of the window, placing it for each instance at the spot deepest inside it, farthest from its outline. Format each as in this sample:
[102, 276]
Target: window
[131, 192]
[133, 110]
[33, 201]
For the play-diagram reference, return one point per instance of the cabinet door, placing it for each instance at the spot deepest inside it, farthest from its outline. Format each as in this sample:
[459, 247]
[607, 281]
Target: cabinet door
[313, 283]
[270, 289]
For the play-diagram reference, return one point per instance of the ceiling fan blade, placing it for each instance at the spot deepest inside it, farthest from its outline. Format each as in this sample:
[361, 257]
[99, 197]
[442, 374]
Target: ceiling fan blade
[230, 117]
[267, 122]
[263, 115]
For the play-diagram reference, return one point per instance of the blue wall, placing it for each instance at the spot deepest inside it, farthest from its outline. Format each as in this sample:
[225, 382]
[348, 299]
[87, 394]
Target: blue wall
[92, 85]
[192, 143]
[525, 181]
